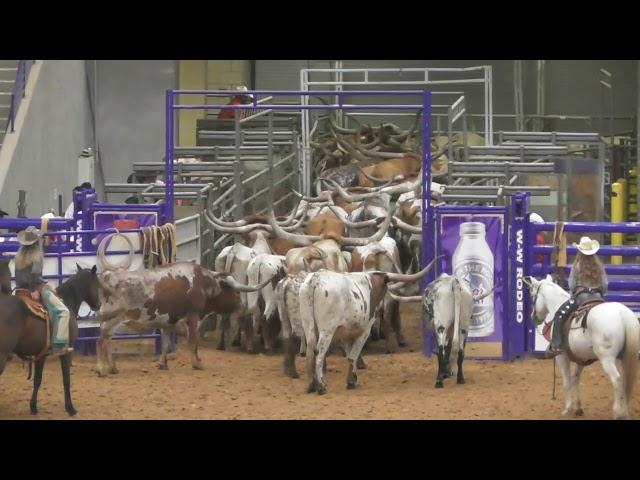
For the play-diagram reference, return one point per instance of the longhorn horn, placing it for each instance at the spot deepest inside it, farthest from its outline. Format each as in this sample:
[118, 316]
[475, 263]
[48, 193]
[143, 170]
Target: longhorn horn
[381, 180]
[233, 283]
[405, 226]
[293, 215]
[405, 278]
[479, 297]
[350, 224]
[347, 196]
[401, 188]
[352, 151]
[236, 230]
[400, 298]
[408, 133]
[376, 237]
[295, 238]
[322, 198]
[376, 154]
[241, 223]
[332, 122]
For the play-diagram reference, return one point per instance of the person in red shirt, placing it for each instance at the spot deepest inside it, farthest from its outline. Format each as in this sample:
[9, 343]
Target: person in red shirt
[540, 240]
[239, 99]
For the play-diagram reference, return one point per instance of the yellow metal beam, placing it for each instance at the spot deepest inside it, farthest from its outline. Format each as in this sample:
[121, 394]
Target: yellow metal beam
[617, 212]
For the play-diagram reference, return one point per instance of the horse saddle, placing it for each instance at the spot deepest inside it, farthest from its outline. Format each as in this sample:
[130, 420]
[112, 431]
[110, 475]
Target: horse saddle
[580, 315]
[568, 316]
[35, 307]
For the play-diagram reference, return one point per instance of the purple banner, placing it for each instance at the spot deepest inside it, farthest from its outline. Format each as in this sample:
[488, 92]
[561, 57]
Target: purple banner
[474, 246]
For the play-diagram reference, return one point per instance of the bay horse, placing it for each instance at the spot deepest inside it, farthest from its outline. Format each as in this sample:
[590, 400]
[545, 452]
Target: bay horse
[610, 332]
[25, 335]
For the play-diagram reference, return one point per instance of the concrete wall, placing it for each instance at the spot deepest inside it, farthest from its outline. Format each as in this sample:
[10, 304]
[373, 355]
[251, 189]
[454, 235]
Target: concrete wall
[130, 120]
[57, 126]
[209, 75]
[192, 76]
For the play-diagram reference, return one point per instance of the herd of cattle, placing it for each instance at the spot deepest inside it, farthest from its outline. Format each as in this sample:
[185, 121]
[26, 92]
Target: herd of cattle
[336, 267]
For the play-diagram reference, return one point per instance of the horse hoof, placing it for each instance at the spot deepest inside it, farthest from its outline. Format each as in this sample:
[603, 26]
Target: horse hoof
[71, 411]
[114, 370]
[402, 343]
[321, 390]
[291, 373]
[622, 417]
[439, 385]
[34, 411]
[460, 381]
[579, 412]
[221, 348]
[162, 366]
[197, 366]
[311, 388]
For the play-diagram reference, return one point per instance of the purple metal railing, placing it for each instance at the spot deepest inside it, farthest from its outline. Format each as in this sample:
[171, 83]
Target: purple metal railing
[19, 90]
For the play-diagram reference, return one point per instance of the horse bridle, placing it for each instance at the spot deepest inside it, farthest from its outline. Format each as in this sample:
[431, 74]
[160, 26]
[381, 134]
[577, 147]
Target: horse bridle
[533, 307]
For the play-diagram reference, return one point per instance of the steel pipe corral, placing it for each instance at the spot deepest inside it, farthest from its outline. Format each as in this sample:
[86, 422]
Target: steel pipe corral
[596, 227]
[624, 290]
[540, 269]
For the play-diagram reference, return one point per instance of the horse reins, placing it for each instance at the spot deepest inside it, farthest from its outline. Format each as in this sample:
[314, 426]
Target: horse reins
[533, 317]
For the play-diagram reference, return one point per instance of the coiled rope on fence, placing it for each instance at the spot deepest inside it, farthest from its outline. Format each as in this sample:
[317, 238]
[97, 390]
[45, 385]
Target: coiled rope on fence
[159, 247]
[102, 258]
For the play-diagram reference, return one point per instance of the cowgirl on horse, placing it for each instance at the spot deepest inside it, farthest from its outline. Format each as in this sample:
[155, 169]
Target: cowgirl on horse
[587, 282]
[29, 262]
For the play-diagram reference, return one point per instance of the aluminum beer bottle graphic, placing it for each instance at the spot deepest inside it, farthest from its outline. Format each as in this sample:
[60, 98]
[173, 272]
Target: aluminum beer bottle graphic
[473, 262]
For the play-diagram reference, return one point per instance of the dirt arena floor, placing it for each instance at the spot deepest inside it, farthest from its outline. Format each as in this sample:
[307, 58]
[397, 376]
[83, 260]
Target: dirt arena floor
[236, 385]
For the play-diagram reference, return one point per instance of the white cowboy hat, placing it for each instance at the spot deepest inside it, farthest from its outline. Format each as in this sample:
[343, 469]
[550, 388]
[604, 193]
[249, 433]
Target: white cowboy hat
[587, 246]
[29, 236]
[243, 88]
[535, 218]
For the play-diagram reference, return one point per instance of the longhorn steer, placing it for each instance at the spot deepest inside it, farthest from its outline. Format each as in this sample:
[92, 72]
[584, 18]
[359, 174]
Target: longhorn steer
[262, 268]
[159, 298]
[234, 260]
[344, 304]
[408, 166]
[382, 256]
[447, 306]
[323, 253]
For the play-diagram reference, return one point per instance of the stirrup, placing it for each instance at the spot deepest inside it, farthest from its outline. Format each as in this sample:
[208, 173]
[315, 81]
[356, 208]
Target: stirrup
[551, 352]
[56, 351]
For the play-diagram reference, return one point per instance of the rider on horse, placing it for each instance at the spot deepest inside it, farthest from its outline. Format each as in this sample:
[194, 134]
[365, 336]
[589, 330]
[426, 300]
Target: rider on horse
[28, 265]
[587, 281]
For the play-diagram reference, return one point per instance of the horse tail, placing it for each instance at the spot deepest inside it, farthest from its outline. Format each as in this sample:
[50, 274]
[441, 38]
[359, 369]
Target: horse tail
[631, 349]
